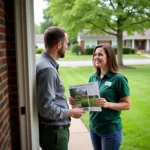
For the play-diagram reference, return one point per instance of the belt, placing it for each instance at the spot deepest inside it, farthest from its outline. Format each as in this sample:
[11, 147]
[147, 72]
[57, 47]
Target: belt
[58, 127]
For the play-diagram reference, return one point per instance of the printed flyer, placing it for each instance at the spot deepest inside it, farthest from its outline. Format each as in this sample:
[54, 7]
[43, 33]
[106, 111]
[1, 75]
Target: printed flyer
[85, 96]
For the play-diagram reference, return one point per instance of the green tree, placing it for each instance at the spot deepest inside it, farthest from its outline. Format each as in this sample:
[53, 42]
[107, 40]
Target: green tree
[37, 29]
[47, 21]
[102, 16]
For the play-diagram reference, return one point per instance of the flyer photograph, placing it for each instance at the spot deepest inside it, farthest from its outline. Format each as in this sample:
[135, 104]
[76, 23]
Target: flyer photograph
[85, 96]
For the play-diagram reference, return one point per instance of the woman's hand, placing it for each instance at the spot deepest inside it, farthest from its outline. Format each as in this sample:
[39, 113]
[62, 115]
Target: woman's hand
[124, 103]
[71, 100]
[102, 102]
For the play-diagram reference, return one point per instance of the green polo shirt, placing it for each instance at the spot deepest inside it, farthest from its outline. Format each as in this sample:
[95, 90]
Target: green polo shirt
[113, 87]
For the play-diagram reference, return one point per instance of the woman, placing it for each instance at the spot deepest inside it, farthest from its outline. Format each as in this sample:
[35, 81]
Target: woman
[105, 126]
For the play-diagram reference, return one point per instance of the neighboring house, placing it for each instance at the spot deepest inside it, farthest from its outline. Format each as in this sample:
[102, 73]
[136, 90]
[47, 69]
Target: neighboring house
[137, 41]
[91, 40]
[39, 40]
[18, 110]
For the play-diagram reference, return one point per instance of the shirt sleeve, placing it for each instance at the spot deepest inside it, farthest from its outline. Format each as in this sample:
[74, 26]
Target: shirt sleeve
[122, 87]
[46, 90]
[90, 80]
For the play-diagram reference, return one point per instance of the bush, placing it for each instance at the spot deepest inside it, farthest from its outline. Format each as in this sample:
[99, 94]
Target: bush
[138, 53]
[132, 50]
[76, 49]
[115, 49]
[39, 50]
[126, 50]
[36, 46]
[89, 51]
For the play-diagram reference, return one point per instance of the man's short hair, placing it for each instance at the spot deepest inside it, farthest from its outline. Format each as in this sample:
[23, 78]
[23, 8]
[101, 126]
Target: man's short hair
[53, 35]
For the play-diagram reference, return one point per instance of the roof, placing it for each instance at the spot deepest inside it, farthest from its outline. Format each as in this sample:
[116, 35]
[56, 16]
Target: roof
[94, 36]
[83, 35]
[135, 35]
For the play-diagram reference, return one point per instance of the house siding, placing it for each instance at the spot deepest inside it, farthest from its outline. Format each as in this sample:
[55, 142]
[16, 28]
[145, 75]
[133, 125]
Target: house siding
[9, 116]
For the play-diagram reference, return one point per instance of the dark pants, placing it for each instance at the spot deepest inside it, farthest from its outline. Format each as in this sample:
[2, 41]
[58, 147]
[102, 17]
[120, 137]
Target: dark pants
[106, 142]
[53, 139]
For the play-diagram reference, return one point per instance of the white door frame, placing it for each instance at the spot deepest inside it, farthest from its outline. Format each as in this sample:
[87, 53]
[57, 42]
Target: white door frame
[25, 50]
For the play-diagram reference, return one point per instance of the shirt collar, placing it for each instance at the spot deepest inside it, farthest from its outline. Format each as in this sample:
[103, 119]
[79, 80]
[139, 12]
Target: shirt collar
[54, 63]
[108, 74]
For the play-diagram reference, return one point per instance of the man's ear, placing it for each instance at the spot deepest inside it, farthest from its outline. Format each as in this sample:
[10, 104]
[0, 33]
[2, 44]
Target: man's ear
[59, 45]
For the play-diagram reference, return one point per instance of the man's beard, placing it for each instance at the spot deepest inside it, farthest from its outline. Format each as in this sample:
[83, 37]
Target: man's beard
[61, 53]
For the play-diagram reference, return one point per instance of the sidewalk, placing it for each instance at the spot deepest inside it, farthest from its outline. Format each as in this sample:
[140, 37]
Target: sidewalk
[79, 136]
[89, 62]
[146, 55]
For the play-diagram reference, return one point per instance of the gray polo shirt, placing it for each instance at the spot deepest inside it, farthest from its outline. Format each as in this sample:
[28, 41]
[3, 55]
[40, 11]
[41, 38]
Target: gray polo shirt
[52, 104]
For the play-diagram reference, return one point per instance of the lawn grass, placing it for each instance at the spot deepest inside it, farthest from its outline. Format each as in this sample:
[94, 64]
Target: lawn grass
[136, 121]
[134, 56]
[69, 56]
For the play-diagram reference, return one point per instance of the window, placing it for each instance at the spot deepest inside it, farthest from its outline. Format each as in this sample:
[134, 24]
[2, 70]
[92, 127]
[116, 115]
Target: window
[90, 43]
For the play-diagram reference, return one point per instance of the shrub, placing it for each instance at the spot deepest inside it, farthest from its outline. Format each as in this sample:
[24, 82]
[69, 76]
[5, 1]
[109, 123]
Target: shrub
[126, 50]
[138, 53]
[89, 51]
[115, 49]
[132, 50]
[76, 49]
[36, 46]
[39, 50]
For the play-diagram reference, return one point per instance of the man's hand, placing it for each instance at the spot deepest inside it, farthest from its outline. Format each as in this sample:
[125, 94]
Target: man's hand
[76, 112]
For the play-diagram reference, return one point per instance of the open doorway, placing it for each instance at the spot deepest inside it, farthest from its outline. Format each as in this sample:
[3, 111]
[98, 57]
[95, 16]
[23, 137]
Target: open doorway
[140, 44]
[26, 74]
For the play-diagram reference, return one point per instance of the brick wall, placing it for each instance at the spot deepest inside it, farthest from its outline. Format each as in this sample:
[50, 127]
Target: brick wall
[104, 42]
[5, 124]
[9, 118]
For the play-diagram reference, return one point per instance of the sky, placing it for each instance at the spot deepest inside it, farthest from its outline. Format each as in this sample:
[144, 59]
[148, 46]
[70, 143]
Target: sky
[39, 5]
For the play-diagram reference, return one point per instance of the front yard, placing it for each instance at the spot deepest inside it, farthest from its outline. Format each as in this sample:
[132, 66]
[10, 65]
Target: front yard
[136, 121]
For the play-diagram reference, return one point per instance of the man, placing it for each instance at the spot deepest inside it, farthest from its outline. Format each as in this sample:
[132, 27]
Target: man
[54, 114]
